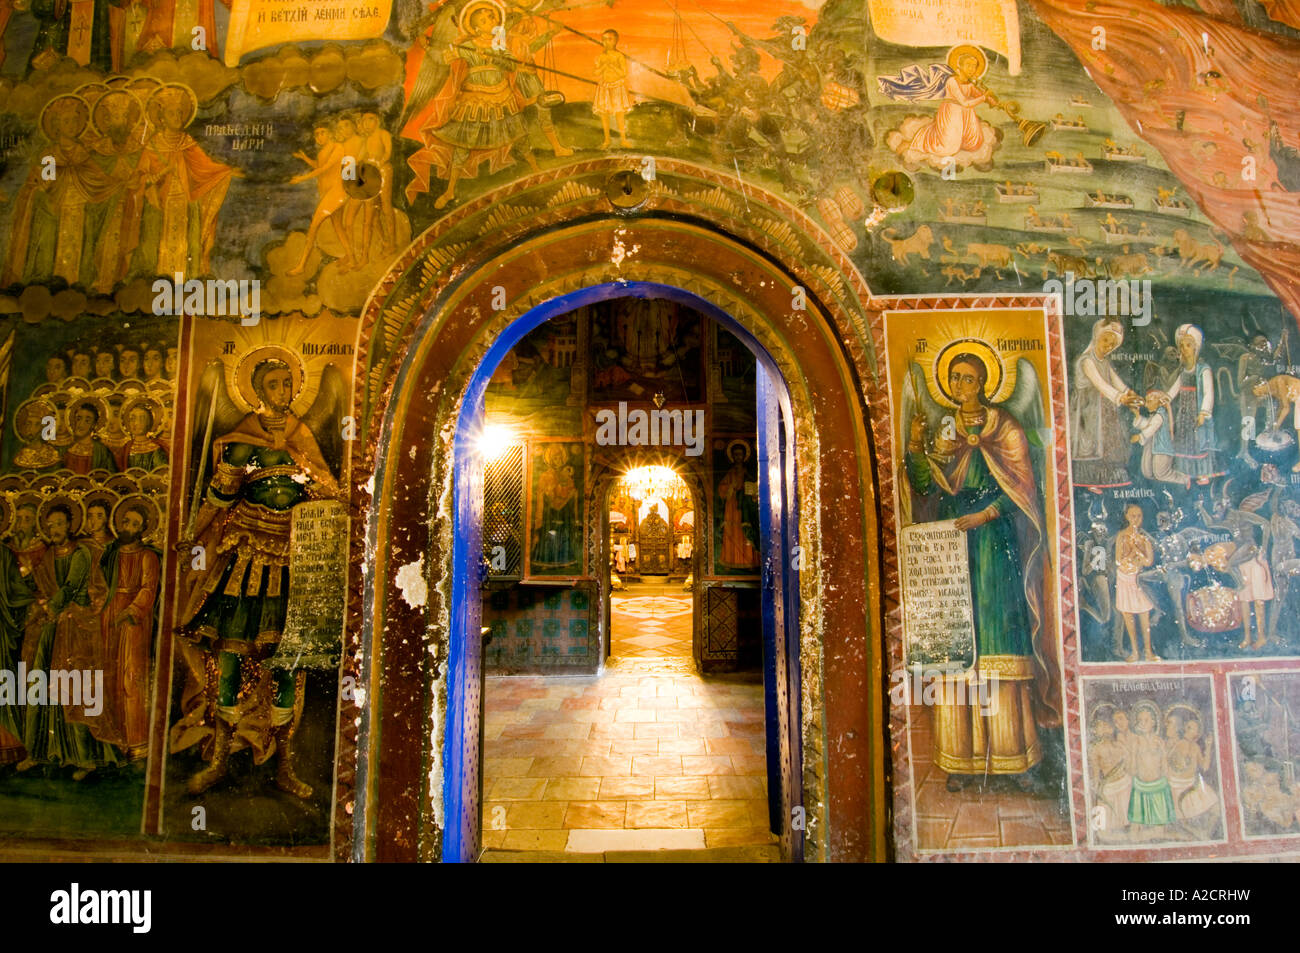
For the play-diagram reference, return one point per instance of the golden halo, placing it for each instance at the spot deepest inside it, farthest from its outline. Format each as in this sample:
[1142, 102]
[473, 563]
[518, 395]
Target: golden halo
[107, 498]
[99, 114]
[91, 92]
[170, 91]
[987, 355]
[30, 498]
[965, 49]
[6, 513]
[152, 519]
[738, 443]
[1192, 712]
[120, 483]
[467, 12]
[29, 419]
[65, 103]
[74, 506]
[1150, 706]
[265, 352]
[1104, 710]
[100, 405]
[151, 404]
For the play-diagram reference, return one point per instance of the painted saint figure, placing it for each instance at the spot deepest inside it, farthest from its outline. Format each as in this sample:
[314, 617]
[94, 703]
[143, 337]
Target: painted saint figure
[611, 99]
[141, 449]
[1108, 761]
[87, 452]
[1151, 803]
[236, 606]
[1098, 447]
[1134, 552]
[183, 190]
[984, 479]
[130, 568]
[738, 491]
[56, 627]
[1190, 398]
[476, 115]
[556, 517]
[1187, 763]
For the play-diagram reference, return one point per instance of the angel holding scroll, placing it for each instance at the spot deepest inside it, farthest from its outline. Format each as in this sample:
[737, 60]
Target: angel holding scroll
[983, 471]
[235, 599]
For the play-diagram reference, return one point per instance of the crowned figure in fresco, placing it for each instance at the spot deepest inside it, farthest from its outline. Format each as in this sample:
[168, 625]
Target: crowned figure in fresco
[956, 134]
[49, 236]
[233, 608]
[464, 101]
[183, 189]
[117, 140]
[982, 470]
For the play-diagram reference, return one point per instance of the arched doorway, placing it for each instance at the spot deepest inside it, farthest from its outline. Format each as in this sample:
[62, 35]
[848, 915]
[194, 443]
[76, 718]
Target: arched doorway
[426, 331]
[776, 441]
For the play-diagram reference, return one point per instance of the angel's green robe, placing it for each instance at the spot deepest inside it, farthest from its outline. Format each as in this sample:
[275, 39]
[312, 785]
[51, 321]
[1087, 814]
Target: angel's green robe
[991, 470]
[993, 551]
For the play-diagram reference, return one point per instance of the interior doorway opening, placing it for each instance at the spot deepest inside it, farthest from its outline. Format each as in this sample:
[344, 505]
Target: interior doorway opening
[652, 518]
[583, 757]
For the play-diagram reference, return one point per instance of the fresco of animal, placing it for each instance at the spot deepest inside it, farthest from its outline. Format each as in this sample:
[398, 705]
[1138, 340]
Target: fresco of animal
[1207, 254]
[1029, 249]
[1129, 266]
[918, 243]
[999, 256]
[1061, 263]
[958, 273]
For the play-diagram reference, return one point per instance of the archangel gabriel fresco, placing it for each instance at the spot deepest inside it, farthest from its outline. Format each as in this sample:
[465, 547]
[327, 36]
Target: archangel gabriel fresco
[978, 531]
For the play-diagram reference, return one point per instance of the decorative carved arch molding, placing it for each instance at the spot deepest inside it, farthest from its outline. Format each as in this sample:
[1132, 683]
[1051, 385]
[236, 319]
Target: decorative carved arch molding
[423, 333]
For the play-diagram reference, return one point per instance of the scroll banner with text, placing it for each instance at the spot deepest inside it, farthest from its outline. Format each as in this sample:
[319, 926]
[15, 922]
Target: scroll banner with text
[992, 24]
[318, 570]
[938, 617]
[256, 24]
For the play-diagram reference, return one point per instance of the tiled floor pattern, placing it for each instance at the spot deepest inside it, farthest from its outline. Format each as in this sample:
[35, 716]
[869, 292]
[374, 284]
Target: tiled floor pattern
[1000, 816]
[651, 621]
[624, 761]
[646, 756]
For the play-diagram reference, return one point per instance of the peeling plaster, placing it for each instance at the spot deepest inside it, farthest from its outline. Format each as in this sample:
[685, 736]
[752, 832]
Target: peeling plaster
[410, 580]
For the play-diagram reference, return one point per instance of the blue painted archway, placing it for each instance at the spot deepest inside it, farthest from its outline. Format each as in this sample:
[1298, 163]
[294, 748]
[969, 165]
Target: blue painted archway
[778, 493]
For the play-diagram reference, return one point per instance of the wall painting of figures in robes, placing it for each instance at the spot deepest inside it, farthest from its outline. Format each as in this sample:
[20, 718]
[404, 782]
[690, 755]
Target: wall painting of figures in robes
[252, 705]
[85, 465]
[981, 661]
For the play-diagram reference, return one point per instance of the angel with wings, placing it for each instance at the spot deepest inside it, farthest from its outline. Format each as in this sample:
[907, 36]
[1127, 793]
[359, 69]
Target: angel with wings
[983, 470]
[465, 99]
[235, 600]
